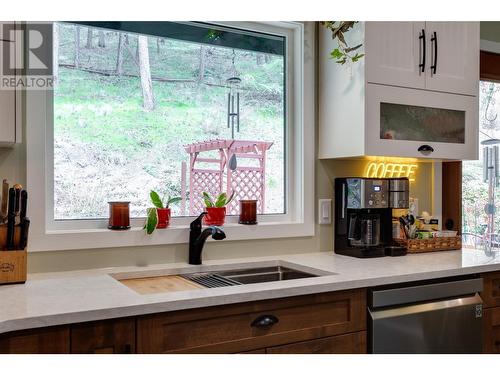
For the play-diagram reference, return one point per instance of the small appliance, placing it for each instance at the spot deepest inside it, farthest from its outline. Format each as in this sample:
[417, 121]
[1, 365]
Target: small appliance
[363, 215]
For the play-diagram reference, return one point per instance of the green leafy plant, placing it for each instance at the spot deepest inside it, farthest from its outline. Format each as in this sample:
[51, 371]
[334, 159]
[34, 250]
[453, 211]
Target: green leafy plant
[220, 201]
[152, 214]
[343, 53]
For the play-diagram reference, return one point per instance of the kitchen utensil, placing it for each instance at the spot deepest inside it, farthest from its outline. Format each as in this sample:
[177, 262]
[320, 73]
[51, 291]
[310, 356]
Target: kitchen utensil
[11, 217]
[5, 195]
[25, 224]
[403, 223]
[24, 204]
[17, 208]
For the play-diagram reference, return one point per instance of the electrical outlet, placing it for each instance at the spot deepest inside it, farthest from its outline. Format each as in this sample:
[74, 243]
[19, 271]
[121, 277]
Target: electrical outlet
[325, 211]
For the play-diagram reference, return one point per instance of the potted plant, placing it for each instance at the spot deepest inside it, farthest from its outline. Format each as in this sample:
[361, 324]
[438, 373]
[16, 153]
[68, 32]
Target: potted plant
[159, 215]
[216, 209]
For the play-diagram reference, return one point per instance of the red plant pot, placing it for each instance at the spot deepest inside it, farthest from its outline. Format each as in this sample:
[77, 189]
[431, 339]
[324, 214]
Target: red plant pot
[215, 216]
[163, 217]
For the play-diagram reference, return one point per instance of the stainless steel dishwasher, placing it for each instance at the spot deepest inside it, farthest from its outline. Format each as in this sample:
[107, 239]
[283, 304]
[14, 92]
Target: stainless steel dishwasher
[435, 317]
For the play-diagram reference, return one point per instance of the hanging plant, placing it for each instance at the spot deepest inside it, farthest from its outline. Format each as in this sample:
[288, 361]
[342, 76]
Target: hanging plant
[343, 53]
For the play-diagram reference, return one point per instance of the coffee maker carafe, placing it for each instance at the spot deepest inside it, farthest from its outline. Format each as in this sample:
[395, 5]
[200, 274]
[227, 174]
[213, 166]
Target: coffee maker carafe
[363, 216]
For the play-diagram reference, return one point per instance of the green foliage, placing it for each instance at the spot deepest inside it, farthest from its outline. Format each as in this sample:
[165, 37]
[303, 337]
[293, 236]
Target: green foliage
[155, 199]
[151, 220]
[221, 200]
[172, 200]
[343, 53]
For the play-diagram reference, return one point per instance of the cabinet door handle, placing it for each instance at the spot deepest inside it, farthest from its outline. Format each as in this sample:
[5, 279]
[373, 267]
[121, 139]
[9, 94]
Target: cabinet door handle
[265, 321]
[425, 149]
[434, 41]
[421, 37]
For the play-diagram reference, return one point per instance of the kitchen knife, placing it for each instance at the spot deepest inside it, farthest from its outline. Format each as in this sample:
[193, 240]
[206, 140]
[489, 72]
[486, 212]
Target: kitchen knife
[5, 194]
[11, 219]
[17, 207]
[24, 205]
[23, 242]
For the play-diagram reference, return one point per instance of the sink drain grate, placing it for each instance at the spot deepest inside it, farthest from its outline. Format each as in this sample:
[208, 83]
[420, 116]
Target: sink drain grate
[210, 280]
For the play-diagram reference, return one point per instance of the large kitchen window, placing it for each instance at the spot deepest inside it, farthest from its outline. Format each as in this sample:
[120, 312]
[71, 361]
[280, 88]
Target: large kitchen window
[179, 108]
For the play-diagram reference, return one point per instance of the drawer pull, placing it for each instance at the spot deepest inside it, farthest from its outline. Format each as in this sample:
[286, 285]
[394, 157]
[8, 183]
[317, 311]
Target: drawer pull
[265, 321]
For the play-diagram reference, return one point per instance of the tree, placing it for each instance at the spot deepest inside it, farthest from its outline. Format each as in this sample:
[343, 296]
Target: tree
[145, 72]
[90, 36]
[102, 41]
[77, 46]
[119, 57]
[55, 51]
[201, 71]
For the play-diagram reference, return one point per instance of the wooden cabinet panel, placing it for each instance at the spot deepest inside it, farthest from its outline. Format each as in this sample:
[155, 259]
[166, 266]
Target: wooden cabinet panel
[491, 330]
[491, 289]
[352, 343]
[52, 340]
[393, 53]
[457, 59]
[104, 337]
[228, 329]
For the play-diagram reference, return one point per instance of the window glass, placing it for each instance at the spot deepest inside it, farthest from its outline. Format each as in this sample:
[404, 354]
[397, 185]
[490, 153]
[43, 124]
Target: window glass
[474, 189]
[142, 106]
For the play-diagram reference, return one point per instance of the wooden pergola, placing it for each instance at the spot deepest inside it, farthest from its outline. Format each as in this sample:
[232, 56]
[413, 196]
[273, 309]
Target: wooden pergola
[247, 180]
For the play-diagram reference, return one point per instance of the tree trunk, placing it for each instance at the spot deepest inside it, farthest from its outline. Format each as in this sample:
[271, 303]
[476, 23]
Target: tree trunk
[267, 58]
[158, 46]
[201, 71]
[77, 46]
[144, 69]
[119, 57]
[90, 36]
[55, 52]
[102, 40]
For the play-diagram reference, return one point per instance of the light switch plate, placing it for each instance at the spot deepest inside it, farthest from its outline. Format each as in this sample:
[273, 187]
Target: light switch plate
[325, 211]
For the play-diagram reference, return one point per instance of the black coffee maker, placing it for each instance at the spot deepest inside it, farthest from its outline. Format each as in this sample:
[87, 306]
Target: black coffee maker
[363, 217]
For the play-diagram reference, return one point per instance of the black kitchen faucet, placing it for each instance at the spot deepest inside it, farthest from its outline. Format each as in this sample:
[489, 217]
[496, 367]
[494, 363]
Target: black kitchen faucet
[197, 238]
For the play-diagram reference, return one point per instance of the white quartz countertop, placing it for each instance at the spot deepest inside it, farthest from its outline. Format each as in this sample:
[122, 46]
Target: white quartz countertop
[70, 297]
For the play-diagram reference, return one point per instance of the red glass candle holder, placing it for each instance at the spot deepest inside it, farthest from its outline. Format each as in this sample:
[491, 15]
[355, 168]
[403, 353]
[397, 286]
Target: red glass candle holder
[248, 212]
[119, 215]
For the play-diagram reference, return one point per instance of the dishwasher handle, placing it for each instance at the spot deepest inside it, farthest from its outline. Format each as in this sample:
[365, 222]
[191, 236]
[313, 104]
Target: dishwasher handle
[427, 292]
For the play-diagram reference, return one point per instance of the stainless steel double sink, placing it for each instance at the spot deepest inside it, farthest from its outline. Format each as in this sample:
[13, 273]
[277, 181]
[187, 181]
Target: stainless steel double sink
[247, 276]
[214, 276]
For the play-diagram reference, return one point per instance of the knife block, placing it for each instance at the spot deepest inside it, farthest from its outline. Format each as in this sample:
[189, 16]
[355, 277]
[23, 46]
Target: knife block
[13, 267]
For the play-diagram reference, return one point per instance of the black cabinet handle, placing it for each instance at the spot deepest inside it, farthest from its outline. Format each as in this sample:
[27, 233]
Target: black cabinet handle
[421, 37]
[265, 321]
[425, 149]
[434, 41]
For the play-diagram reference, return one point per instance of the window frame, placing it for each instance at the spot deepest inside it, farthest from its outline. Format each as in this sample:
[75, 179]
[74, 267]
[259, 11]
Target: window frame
[298, 220]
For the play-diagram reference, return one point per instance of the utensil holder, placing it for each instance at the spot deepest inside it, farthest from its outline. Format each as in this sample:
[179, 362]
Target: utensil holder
[13, 263]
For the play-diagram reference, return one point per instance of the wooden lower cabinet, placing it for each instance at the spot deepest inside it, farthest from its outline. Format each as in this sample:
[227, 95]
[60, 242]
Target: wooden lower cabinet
[249, 326]
[104, 337]
[51, 340]
[322, 323]
[491, 289]
[351, 343]
[491, 330]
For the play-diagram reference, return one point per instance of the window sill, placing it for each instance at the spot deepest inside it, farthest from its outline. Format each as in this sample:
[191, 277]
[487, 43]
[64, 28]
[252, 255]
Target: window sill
[53, 240]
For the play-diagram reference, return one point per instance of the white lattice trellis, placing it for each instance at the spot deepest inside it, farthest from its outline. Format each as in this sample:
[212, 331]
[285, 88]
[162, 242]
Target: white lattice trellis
[247, 182]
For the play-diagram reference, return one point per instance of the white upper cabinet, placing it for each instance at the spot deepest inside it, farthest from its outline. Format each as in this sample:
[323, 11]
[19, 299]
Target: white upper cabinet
[437, 56]
[454, 58]
[394, 53]
[413, 94]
